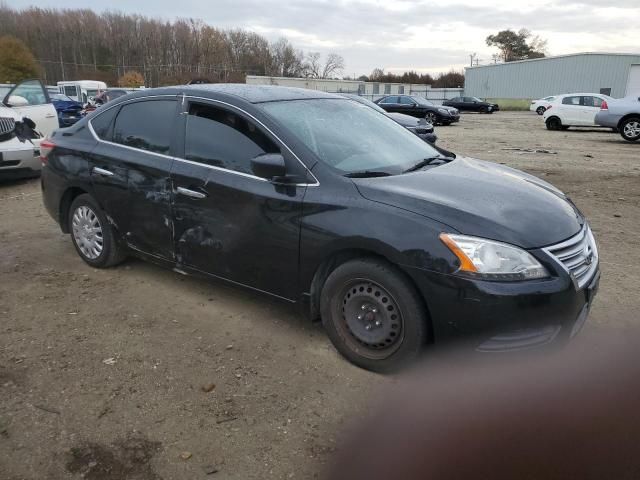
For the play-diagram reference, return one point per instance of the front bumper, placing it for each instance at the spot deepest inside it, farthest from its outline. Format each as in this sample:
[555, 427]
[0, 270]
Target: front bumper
[18, 159]
[428, 137]
[504, 316]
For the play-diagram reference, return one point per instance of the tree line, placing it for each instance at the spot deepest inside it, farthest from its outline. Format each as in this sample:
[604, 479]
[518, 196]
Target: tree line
[450, 79]
[72, 44]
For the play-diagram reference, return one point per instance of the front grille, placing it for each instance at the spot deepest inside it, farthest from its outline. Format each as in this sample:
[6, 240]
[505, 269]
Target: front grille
[7, 125]
[578, 256]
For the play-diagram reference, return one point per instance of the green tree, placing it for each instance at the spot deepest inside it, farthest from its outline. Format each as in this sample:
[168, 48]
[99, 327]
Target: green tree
[16, 61]
[513, 45]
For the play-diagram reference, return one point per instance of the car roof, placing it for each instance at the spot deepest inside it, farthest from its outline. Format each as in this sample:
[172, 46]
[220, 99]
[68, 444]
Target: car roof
[257, 93]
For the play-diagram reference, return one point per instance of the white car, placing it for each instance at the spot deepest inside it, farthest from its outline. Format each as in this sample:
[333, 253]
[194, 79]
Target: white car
[574, 110]
[539, 106]
[19, 143]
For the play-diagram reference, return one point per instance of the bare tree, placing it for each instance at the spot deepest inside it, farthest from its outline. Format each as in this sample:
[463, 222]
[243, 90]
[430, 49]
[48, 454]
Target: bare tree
[333, 65]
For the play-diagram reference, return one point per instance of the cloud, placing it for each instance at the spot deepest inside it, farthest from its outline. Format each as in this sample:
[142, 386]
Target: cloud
[407, 34]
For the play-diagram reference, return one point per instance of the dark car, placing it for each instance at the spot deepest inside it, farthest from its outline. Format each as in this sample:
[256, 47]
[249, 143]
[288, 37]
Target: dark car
[69, 111]
[419, 126]
[312, 199]
[472, 104]
[419, 107]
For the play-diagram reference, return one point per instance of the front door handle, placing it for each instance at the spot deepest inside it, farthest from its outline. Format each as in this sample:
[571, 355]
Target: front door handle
[102, 171]
[191, 193]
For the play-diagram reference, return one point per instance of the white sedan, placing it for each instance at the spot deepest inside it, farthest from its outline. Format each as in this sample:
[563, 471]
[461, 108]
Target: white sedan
[19, 143]
[574, 110]
[539, 106]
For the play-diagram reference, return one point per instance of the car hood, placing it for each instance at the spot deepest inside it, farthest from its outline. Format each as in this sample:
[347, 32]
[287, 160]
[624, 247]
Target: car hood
[7, 112]
[481, 199]
[408, 120]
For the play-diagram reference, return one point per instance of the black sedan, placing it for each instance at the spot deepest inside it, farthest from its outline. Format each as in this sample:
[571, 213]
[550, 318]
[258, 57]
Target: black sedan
[419, 107]
[472, 104]
[317, 201]
[419, 126]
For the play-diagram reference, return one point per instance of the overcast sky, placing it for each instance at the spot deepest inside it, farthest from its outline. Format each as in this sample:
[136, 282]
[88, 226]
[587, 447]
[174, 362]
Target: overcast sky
[408, 34]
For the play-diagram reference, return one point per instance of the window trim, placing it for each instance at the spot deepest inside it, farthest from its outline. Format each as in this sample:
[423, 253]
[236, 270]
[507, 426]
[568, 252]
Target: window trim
[182, 98]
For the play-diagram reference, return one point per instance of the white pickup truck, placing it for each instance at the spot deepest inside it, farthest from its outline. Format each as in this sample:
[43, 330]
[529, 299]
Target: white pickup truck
[19, 142]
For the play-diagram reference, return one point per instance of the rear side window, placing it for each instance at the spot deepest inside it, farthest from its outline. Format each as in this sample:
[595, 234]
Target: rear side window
[222, 138]
[147, 125]
[102, 124]
[390, 100]
[406, 101]
[571, 101]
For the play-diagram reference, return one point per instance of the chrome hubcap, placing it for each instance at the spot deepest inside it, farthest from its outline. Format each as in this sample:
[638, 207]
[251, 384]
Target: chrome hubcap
[431, 118]
[87, 232]
[371, 318]
[632, 129]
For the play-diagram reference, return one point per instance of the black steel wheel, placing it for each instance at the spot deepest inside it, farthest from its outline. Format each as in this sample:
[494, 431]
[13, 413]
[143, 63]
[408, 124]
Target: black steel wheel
[554, 123]
[373, 315]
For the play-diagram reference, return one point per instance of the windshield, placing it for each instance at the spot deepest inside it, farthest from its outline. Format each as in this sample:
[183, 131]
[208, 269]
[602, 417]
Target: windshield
[365, 101]
[422, 101]
[349, 136]
[3, 92]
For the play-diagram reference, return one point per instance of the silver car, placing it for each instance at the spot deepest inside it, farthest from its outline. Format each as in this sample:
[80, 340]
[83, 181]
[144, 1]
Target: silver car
[623, 114]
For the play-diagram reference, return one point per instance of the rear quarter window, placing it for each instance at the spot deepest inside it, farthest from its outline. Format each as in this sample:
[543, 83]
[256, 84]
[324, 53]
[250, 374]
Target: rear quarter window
[102, 124]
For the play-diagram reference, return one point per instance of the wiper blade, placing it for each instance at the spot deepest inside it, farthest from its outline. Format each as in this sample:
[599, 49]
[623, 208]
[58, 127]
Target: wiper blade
[367, 174]
[426, 162]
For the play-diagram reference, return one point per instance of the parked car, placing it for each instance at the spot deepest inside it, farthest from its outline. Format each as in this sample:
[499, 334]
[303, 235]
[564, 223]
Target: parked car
[472, 104]
[573, 110]
[419, 107]
[622, 115]
[540, 106]
[108, 95]
[419, 126]
[26, 115]
[69, 111]
[309, 198]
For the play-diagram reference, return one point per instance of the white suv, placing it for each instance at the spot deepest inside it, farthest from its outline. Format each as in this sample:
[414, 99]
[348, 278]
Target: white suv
[26, 116]
[574, 110]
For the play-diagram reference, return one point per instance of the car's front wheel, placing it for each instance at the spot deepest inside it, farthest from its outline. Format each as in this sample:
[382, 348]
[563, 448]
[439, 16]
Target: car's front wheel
[92, 234]
[630, 129]
[540, 110]
[553, 123]
[373, 315]
[431, 117]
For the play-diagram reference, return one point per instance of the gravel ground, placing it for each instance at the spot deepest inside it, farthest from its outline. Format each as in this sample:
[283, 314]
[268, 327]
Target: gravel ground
[139, 372]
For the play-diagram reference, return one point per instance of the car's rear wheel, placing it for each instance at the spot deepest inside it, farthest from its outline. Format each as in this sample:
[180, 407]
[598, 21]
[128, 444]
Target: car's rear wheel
[540, 110]
[373, 315]
[431, 117]
[630, 129]
[92, 235]
[553, 123]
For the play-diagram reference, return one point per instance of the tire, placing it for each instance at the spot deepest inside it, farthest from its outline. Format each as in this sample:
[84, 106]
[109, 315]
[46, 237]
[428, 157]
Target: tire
[630, 129]
[540, 110]
[553, 123]
[373, 315]
[431, 117]
[98, 249]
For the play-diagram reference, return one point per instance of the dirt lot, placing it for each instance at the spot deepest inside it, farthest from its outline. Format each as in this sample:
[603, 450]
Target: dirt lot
[103, 372]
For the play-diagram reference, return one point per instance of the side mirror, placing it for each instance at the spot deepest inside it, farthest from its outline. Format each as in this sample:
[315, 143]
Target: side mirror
[17, 101]
[269, 166]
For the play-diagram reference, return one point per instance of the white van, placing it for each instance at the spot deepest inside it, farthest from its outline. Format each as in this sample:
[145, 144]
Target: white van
[82, 91]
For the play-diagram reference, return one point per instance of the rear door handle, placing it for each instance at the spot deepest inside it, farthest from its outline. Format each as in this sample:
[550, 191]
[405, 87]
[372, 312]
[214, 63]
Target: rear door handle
[102, 171]
[191, 193]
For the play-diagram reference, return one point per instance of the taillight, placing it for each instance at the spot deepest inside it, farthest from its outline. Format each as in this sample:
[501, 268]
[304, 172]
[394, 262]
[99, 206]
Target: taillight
[604, 105]
[46, 147]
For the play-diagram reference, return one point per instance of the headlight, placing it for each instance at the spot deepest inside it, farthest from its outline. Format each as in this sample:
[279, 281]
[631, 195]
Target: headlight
[443, 110]
[493, 260]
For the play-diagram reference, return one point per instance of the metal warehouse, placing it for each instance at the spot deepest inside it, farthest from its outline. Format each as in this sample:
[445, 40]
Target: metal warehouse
[615, 74]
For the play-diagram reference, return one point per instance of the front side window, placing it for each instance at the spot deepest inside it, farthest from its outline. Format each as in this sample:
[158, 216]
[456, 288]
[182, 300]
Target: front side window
[571, 101]
[147, 125]
[349, 136]
[224, 139]
[32, 92]
[406, 101]
[70, 90]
